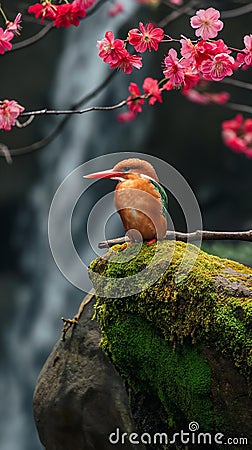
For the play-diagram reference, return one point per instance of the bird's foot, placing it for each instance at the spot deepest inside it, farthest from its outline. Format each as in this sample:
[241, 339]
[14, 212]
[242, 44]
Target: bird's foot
[152, 241]
[125, 245]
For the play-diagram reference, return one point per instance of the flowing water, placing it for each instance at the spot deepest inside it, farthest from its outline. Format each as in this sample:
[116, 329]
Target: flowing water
[45, 295]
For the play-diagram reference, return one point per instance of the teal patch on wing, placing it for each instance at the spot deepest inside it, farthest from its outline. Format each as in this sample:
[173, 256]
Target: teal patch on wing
[163, 196]
[162, 193]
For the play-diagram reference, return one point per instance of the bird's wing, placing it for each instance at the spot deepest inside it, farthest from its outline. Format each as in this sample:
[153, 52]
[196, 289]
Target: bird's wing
[161, 191]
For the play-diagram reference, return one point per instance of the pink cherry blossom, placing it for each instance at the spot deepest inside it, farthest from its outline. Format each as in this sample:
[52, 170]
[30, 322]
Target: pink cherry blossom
[237, 134]
[207, 23]
[202, 50]
[44, 10]
[79, 8]
[220, 97]
[118, 8]
[248, 49]
[218, 68]
[196, 96]
[246, 57]
[188, 49]
[126, 116]
[5, 38]
[9, 112]
[85, 4]
[111, 50]
[134, 103]
[248, 125]
[248, 138]
[174, 69]
[191, 77]
[204, 98]
[69, 14]
[233, 141]
[176, 2]
[127, 62]
[233, 124]
[15, 26]
[146, 37]
[65, 16]
[168, 86]
[151, 88]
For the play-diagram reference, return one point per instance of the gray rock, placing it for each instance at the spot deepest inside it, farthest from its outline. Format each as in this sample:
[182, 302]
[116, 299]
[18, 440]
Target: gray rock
[79, 398]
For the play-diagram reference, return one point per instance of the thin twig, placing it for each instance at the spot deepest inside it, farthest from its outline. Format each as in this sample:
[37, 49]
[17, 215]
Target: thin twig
[228, 14]
[96, 6]
[48, 27]
[49, 138]
[26, 123]
[33, 39]
[174, 15]
[5, 153]
[237, 83]
[188, 237]
[238, 107]
[74, 111]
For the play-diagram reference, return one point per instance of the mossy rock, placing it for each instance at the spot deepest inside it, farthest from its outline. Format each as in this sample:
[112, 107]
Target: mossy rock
[186, 336]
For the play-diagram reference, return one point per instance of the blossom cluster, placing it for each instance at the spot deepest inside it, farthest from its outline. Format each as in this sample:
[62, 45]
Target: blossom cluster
[113, 51]
[189, 68]
[136, 99]
[63, 14]
[9, 112]
[9, 109]
[206, 58]
[7, 34]
[205, 97]
[237, 134]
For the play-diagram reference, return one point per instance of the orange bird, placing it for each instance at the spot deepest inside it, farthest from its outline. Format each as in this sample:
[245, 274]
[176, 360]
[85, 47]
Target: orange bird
[139, 198]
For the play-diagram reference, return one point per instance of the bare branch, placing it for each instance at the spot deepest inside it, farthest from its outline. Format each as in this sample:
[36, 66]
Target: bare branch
[74, 111]
[190, 237]
[229, 13]
[96, 6]
[32, 40]
[49, 138]
[48, 27]
[236, 11]
[177, 13]
[238, 107]
[6, 153]
[26, 123]
[237, 83]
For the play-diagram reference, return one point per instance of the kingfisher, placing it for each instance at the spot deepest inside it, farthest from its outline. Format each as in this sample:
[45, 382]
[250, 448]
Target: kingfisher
[139, 198]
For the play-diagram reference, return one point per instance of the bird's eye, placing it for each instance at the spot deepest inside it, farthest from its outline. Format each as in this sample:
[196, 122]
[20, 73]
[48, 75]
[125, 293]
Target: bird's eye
[126, 169]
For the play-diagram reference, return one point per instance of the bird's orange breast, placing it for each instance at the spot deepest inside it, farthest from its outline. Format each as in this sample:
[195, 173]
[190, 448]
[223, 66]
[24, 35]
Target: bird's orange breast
[140, 207]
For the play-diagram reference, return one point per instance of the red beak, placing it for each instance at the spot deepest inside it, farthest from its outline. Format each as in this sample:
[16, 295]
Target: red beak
[105, 174]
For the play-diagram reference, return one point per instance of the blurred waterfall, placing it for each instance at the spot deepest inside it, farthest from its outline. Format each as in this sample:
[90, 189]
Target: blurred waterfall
[46, 295]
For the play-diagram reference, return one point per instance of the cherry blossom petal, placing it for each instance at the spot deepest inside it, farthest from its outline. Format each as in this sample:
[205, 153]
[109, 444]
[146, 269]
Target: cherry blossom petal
[207, 23]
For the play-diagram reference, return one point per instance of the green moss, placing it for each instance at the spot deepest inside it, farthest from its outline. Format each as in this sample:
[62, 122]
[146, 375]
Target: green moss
[180, 377]
[155, 335]
[194, 307]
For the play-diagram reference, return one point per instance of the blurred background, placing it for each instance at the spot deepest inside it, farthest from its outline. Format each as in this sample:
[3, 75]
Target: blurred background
[56, 72]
